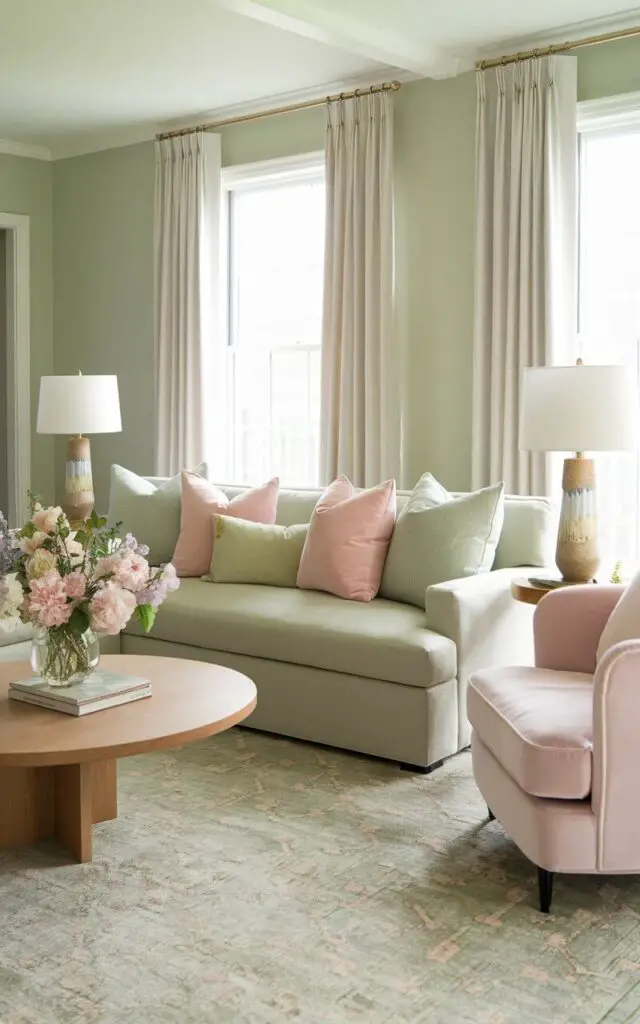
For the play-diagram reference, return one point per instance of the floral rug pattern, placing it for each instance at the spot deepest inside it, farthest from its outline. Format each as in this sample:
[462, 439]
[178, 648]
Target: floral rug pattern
[253, 880]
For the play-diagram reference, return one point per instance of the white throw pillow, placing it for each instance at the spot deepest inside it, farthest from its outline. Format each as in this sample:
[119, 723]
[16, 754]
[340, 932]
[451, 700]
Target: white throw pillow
[624, 621]
[438, 537]
[151, 513]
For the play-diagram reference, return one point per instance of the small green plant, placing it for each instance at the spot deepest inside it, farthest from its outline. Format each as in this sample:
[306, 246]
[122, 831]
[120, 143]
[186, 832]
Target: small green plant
[615, 575]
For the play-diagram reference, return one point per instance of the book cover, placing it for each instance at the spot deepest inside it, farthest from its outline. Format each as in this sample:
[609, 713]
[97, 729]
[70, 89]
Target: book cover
[78, 710]
[98, 686]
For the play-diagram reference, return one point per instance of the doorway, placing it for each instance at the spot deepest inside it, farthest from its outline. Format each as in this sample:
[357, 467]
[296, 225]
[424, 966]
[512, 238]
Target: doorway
[15, 395]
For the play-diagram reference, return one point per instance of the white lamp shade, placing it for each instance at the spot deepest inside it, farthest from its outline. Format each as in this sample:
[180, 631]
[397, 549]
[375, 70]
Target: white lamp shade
[578, 409]
[79, 405]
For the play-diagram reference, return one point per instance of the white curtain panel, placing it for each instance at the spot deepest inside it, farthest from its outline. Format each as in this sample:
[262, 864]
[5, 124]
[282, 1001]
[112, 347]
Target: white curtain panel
[525, 273]
[187, 218]
[360, 418]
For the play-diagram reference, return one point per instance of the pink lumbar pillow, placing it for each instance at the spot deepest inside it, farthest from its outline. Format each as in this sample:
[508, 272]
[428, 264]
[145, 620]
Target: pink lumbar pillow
[200, 501]
[348, 539]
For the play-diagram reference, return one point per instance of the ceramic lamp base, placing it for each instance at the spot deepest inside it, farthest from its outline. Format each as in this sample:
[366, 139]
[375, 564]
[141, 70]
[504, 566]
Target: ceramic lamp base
[79, 497]
[577, 552]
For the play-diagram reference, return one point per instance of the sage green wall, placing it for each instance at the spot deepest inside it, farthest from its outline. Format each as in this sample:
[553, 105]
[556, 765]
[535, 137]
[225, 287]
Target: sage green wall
[26, 187]
[103, 212]
[103, 280]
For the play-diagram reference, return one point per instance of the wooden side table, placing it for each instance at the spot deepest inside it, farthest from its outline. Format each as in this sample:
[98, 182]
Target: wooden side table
[522, 589]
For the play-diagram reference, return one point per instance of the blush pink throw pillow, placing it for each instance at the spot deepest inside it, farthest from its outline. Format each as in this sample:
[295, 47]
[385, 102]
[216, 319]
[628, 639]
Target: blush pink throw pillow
[200, 501]
[348, 539]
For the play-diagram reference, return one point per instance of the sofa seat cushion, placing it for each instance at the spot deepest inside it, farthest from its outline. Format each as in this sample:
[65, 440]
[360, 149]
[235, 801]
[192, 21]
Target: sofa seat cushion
[379, 640]
[538, 724]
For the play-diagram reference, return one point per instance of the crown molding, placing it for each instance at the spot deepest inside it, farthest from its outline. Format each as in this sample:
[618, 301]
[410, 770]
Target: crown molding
[12, 148]
[576, 30]
[316, 92]
[95, 142]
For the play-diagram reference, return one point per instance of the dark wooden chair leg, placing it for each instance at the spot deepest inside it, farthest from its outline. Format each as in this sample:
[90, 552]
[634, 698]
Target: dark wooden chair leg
[490, 814]
[545, 888]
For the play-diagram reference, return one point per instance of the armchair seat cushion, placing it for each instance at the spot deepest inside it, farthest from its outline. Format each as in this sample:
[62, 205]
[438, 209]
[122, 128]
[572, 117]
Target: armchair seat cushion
[538, 723]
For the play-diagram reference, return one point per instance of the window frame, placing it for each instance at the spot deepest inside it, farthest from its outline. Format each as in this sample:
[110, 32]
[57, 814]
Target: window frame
[267, 174]
[611, 115]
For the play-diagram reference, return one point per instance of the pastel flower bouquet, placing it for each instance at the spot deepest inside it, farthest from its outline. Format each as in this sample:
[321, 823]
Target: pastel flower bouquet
[74, 586]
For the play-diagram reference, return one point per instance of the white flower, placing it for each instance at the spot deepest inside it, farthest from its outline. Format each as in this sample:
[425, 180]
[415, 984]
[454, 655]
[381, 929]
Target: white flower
[31, 544]
[10, 603]
[40, 563]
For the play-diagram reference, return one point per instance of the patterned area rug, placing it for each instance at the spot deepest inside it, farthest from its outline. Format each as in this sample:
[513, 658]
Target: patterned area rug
[253, 880]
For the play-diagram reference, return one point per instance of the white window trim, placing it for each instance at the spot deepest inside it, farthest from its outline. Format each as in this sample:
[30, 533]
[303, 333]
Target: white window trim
[271, 172]
[610, 113]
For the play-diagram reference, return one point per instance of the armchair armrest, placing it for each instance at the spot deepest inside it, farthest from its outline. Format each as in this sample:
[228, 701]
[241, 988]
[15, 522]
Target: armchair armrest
[616, 757]
[567, 625]
[487, 626]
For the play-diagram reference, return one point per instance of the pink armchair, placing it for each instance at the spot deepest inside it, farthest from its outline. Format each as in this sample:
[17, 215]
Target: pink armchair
[556, 747]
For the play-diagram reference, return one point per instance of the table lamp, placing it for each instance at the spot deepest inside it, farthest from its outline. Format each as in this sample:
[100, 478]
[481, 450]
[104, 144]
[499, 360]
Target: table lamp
[79, 405]
[580, 409]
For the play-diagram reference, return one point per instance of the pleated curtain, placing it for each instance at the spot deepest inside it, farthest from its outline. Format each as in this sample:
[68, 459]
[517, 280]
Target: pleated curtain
[525, 258]
[186, 238]
[360, 409]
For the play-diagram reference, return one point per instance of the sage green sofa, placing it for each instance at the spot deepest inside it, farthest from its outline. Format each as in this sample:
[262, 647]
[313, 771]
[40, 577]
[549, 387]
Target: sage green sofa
[381, 678]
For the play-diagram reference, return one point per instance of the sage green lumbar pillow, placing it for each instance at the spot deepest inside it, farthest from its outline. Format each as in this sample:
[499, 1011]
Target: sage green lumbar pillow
[438, 537]
[150, 512]
[246, 552]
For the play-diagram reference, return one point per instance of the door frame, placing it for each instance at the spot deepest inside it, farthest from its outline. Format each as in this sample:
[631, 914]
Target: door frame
[18, 380]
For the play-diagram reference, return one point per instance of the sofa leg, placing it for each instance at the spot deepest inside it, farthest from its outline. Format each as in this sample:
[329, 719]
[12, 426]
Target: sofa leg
[490, 814]
[421, 769]
[545, 888]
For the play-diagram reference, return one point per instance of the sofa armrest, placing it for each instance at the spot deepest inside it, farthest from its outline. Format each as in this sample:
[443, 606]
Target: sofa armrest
[568, 623]
[616, 757]
[486, 624]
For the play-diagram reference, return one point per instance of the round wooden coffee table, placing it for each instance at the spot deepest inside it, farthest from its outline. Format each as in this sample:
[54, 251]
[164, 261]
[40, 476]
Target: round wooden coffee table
[58, 773]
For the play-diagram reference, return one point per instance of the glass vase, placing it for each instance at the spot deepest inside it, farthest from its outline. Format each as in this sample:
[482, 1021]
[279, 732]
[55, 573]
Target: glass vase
[61, 657]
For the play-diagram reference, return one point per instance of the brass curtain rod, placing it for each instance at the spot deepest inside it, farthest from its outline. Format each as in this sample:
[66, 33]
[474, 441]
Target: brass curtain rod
[305, 105]
[547, 51]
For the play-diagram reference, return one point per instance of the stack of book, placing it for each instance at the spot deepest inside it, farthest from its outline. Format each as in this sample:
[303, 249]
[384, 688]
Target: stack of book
[99, 691]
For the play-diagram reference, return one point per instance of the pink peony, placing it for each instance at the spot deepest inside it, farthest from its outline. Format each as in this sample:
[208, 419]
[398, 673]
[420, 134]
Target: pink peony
[131, 571]
[31, 544]
[75, 585]
[47, 519]
[106, 566]
[111, 609]
[48, 604]
[74, 550]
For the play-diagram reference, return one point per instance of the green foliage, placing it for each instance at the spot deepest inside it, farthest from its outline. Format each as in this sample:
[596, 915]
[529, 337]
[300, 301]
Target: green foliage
[616, 574]
[145, 614]
[79, 621]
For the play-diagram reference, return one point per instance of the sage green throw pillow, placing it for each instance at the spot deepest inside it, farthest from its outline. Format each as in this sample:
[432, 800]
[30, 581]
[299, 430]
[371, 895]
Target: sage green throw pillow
[150, 512]
[245, 552]
[438, 537]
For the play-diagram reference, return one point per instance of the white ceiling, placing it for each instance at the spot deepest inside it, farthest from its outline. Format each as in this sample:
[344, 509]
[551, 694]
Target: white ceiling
[82, 74]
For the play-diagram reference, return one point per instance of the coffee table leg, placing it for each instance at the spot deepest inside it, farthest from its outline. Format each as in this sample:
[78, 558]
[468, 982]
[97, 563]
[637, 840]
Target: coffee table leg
[73, 812]
[104, 790]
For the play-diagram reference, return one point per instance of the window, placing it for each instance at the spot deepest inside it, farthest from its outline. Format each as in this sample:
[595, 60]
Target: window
[274, 269]
[609, 306]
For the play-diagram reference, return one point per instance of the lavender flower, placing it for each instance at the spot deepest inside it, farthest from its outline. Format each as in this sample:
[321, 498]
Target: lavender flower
[9, 554]
[158, 588]
[131, 543]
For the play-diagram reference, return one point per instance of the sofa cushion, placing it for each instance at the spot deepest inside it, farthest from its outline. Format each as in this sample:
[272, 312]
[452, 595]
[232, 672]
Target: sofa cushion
[438, 538]
[246, 552]
[379, 639]
[538, 724]
[150, 511]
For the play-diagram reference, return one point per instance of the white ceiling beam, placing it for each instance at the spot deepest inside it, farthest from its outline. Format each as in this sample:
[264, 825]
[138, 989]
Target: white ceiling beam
[342, 30]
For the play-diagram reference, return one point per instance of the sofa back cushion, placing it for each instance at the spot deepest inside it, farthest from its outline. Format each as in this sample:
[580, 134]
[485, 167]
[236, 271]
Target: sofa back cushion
[528, 533]
[348, 539]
